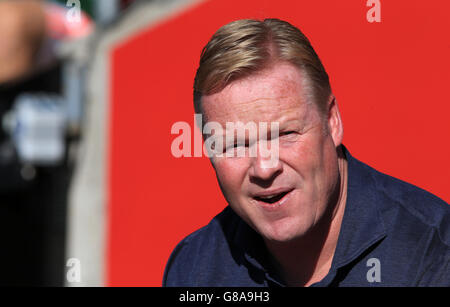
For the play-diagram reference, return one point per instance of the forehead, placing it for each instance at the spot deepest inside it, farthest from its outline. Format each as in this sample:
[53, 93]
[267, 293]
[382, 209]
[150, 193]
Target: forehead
[274, 94]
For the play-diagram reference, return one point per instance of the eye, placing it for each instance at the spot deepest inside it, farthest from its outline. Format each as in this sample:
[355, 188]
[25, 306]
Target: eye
[286, 133]
[236, 145]
[289, 136]
[240, 144]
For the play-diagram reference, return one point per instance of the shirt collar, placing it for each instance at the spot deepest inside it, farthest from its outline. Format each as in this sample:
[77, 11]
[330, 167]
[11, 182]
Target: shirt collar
[254, 253]
[362, 225]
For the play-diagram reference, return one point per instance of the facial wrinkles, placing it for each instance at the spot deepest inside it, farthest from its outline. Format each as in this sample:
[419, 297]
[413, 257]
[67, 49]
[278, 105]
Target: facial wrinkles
[311, 126]
[245, 111]
[282, 110]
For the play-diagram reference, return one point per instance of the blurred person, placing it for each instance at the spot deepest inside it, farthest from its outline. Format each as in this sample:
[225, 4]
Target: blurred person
[317, 216]
[22, 30]
[33, 195]
[28, 29]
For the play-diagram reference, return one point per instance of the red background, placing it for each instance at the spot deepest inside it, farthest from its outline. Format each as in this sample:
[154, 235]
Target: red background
[391, 80]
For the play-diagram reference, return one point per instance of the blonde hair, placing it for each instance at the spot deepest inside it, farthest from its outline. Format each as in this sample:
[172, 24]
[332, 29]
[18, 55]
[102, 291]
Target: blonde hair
[246, 46]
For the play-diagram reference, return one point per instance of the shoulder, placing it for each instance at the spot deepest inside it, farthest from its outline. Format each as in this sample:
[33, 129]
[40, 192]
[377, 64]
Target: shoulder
[200, 250]
[394, 196]
[417, 224]
[415, 204]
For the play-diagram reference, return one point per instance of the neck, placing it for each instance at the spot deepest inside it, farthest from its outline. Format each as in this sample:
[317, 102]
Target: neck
[308, 259]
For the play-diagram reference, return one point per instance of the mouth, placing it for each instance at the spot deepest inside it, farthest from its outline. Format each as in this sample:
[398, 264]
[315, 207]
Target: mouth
[272, 198]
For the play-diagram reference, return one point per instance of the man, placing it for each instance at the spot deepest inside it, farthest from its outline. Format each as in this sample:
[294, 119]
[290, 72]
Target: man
[318, 216]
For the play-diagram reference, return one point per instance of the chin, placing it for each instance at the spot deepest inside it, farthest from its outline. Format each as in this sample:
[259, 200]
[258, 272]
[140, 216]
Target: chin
[283, 231]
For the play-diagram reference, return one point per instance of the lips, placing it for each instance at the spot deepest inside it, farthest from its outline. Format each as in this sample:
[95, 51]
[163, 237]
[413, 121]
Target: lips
[272, 197]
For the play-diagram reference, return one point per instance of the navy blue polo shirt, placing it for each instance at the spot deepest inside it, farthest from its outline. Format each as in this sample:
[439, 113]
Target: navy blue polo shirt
[392, 234]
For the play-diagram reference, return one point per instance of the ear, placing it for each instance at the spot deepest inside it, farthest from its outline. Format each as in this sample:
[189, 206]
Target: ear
[335, 127]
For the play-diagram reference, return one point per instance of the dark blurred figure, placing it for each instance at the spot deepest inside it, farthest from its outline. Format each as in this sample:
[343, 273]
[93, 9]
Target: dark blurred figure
[33, 198]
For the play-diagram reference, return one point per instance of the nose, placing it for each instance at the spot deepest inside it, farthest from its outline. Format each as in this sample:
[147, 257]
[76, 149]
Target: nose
[265, 168]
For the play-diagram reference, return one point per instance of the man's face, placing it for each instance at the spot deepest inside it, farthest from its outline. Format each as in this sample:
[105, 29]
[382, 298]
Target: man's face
[281, 200]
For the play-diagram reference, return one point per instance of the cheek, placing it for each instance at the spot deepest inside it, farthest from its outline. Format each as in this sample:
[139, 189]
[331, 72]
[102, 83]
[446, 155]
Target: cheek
[304, 158]
[314, 161]
[231, 174]
[325, 172]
